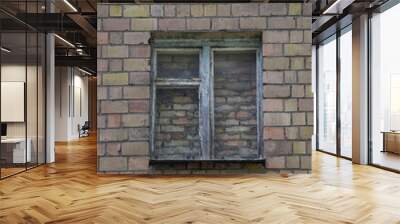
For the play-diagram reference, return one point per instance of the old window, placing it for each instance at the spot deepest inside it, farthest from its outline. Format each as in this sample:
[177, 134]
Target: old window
[235, 104]
[206, 100]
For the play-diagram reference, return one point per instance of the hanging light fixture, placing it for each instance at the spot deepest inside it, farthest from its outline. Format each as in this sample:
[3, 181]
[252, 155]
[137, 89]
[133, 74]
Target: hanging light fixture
[70, 5]
[64, 40]
[5, 50]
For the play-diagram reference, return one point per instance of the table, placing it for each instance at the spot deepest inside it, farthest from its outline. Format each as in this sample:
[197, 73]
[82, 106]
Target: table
[391, 141]
[13, 150]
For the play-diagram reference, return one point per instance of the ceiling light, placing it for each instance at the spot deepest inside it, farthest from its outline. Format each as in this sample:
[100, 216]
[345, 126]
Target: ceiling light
[65, 41]
[84, 71]
[70, 5]
[5, 50]
[338, 6]
[331, 7]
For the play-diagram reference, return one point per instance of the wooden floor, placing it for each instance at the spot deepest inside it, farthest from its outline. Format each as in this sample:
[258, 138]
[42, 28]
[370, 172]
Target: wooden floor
[70, 191]
[387, 159]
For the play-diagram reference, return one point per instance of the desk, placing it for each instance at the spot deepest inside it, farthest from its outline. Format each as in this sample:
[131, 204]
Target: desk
[13, 150]
[391, 141]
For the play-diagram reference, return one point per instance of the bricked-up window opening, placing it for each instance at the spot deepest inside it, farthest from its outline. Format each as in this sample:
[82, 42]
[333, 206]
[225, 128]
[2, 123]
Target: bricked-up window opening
[176, 96]
[206, 101]
[235, 105]
[177, 124]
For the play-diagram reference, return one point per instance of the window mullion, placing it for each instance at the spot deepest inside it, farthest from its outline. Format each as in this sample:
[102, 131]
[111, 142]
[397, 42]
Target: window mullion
[204, 107]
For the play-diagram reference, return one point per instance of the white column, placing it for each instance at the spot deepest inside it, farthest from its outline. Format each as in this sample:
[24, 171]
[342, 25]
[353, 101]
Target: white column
[50, 94]
[360, 90]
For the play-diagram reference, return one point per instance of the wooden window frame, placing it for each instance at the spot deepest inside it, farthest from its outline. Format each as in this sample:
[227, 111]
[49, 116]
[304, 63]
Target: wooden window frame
[205, 86]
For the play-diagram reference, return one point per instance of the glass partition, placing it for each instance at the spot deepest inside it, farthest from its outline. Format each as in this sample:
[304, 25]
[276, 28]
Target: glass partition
[327, 96]
[22, 88]
[15, 152]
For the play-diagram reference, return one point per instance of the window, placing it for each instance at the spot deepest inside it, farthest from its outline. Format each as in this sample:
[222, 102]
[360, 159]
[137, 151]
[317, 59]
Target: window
[327, 96]
[346, 93]
[177, 85]
[235, 111]
[385, 89]
[334, 99]
[206, 101]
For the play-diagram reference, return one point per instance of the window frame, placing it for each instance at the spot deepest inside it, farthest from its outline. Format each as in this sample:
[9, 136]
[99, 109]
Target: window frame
[206, 48]
[333, 37]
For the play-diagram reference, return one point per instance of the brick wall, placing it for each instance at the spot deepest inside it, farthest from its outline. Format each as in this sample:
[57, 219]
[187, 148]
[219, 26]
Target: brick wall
[235, 90]
[177, 124]
[124, 54]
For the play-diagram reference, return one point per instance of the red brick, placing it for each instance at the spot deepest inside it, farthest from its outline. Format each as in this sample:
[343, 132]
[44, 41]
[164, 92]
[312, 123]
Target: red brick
[273, 77]
[253, 23]
[276, 91]
[272, 50]
[223, 10]
[137, 92]
[143, 51]
[102, 65]
[196, 10]
[116, 24]
[183, 10]
[225, 24]
[139, 78]
[246, 9]
[276, 36]
[112, 164]
[113, 149]
[198, 24]
[136, 37]
[276, 162]
[115, 92]
[273, 9]
[274, 133]
[114, 121]
[306, 104]
[273, 105]
[114, 107]
[138, 163]
[139, 106]
[102, 38]
[171, 24]
[169, 10]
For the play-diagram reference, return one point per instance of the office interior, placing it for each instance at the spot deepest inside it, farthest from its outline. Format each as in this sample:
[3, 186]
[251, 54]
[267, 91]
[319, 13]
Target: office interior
[45, 82]
[333, 59]
[26, 68]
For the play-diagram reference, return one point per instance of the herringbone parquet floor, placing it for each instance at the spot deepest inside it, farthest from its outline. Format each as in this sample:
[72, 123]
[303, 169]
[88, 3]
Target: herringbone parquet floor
[70, 191]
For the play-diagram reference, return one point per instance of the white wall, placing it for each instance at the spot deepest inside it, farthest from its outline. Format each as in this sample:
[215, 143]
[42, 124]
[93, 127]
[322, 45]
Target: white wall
[17, 73]
[70, 83]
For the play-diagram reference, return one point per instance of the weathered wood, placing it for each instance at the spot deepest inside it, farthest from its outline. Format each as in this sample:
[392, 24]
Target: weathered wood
[177, 83]
[219, 43]
[260, 115]
[212, 117]
[153, 99]
[204, 109]
[205, 85]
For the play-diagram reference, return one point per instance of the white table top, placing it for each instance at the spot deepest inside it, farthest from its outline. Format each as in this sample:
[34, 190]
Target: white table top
[12, 140]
